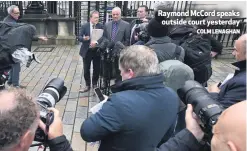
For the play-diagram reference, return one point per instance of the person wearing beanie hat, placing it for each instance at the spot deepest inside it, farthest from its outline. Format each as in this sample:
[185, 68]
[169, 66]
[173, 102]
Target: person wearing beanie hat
[161, 43]
[156, 29]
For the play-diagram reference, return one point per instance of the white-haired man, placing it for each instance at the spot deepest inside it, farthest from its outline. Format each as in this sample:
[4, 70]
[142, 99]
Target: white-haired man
[13, 14]
[117, 29]
[141, 109]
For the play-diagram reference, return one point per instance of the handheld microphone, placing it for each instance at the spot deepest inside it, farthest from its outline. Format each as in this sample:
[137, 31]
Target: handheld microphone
[103, 45]
[110, 46]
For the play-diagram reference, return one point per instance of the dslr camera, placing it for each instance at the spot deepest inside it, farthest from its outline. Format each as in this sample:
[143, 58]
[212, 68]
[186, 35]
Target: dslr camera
[51, 94]
[143, 32]
[204, 106]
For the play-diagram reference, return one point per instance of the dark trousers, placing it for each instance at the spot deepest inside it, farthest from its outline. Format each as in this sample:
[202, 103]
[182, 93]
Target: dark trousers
[91, 55]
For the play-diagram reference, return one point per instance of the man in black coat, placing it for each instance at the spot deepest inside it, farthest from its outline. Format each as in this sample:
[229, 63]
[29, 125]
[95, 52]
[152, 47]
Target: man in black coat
[89, 51]
[141, 109]
[225, 134]
[13, 14]
[234, 90]
[23, 38]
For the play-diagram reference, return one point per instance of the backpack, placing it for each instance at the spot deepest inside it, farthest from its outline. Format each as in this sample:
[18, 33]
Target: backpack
[197, 51]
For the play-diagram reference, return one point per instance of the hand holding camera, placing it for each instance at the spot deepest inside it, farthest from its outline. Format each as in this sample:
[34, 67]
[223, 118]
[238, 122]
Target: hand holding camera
[192, 123]
[56, 128]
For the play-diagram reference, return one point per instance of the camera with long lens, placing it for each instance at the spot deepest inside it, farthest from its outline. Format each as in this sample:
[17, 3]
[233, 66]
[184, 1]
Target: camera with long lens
[204, 106]
[51, 94]
[142, 32]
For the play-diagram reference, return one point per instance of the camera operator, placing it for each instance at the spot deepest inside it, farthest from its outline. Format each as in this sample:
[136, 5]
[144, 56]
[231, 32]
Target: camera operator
[234, 90]
[13, 16]
[19, 120]
[226, 136]
[142, 13]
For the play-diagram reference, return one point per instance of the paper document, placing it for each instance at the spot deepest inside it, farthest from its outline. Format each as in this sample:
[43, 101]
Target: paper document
[226, 79]
[94, 110]
[96, 34]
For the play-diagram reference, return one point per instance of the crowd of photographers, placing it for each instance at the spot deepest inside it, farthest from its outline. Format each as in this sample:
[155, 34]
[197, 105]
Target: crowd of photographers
[144, 110]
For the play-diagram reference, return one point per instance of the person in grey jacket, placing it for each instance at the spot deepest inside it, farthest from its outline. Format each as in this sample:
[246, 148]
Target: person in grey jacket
[161, 43]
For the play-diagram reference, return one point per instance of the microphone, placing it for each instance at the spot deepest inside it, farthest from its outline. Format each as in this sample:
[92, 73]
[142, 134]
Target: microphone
[110, 46]
[118, 48]
[103, 45]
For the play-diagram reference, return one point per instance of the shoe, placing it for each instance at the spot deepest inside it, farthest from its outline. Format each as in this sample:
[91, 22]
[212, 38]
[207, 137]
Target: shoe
[85, 89]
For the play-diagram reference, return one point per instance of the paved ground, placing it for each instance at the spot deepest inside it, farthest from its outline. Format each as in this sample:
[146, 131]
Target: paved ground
[65, 62]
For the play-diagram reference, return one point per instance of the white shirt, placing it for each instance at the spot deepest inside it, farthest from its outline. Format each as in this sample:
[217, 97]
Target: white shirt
[91, 28]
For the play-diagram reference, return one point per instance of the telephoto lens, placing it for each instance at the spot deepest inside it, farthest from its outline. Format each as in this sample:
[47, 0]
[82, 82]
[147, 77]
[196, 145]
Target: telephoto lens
[205, 107]
[52, 93]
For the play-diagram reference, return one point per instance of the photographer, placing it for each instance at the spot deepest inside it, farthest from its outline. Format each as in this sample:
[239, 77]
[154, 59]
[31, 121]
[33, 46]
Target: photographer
[19, 119]
[142, 13]
[226, 137]
[233, 90]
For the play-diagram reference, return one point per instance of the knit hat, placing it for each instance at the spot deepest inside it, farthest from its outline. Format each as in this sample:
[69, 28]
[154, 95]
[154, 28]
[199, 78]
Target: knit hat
[156, 29]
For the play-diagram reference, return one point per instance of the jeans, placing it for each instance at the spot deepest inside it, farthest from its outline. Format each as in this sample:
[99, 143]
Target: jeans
[14, 74]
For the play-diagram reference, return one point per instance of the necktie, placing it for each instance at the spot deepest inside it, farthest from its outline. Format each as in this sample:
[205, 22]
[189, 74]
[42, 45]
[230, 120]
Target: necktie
[114, 31]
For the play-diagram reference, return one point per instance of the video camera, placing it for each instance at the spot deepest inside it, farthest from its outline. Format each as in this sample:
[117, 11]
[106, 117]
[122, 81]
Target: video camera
[206, 108]
[51, 94]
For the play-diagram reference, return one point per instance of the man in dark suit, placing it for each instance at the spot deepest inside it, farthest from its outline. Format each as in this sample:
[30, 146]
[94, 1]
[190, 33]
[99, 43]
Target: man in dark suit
[234, 90]
[142, 13]
[117, 29]
[89, 51]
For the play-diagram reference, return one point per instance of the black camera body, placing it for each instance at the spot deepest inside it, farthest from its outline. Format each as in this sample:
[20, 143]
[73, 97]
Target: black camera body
[139, 21]
[205, 107]
[4, 76]
[51, 94]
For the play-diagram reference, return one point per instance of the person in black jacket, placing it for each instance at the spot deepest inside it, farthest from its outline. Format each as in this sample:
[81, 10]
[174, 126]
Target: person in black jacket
[162, 44]
[142, 13]
[19, 119]
[233, 90]
[226, 137]
[141, 109]
[13, 16]
[89, 51]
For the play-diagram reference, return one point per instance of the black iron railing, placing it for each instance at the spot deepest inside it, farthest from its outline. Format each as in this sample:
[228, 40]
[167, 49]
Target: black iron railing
[81, 10]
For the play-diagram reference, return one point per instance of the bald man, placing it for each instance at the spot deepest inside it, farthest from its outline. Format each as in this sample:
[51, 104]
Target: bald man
[230, 130]
[229, 133]
[117, 29]
[234, 90]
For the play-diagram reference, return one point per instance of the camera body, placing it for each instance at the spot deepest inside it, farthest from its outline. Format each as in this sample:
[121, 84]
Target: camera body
[142, 32]
[51, 94]
[205, 107]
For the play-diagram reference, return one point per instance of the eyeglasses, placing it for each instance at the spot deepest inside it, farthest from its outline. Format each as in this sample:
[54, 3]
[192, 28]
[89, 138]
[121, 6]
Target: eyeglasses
[17, 13]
